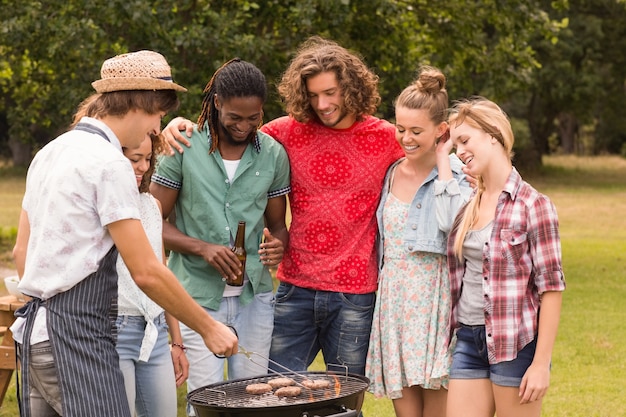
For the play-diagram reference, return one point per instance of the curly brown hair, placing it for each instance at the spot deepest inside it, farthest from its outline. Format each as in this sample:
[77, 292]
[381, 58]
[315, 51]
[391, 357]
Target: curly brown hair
[359, 85]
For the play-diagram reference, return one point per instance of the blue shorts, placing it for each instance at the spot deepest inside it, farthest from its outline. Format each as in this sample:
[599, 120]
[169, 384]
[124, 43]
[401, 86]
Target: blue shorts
[470, 361]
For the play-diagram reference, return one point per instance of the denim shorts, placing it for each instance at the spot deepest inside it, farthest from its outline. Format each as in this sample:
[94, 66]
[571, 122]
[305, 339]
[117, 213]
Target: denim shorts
[470, 361]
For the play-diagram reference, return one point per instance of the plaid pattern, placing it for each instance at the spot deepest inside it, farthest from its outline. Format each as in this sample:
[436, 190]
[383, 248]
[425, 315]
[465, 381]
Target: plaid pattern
[521, 261]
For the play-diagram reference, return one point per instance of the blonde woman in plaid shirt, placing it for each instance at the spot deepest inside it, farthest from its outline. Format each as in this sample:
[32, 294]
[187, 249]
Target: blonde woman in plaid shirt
[504, 255]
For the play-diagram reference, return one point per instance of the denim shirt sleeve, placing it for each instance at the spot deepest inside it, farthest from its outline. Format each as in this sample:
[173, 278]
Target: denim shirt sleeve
[451, 195]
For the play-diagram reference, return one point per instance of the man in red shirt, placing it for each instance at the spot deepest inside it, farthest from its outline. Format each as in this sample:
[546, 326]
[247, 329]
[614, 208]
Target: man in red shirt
[339, 154]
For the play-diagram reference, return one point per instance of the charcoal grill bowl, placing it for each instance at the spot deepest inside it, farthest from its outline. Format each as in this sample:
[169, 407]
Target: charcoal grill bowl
[318, 407]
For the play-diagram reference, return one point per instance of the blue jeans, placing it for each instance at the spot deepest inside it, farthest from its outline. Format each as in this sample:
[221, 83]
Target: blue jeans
[253, 323]
[150, 386]
[307, 321]
[470, 360]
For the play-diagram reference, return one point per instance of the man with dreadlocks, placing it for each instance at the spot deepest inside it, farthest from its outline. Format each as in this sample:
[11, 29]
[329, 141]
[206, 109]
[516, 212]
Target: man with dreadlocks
[232, 173]
[339, 155]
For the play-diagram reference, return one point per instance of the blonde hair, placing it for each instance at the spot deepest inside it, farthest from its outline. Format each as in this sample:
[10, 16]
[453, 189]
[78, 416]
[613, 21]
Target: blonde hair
[428, 92]
[485, 115]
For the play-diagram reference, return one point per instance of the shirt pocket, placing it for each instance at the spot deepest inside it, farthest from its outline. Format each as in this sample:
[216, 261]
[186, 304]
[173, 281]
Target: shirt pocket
[514, 244]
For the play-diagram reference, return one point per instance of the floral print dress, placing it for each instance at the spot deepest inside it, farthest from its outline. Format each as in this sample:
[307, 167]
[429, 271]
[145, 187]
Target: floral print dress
[411, 317]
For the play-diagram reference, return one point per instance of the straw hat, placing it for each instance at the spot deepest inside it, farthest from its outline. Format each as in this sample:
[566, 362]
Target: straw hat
[142, 70]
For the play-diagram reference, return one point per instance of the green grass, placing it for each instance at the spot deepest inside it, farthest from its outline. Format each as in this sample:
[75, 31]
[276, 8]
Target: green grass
[588, 369]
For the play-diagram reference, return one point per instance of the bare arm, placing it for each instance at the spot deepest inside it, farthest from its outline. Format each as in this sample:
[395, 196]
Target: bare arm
[536, 380]
[179, 359]
[21, 243]
[218, 256]
[173, 136]
[160, 284]
[276, 234]
[442, 152]
[177, 351]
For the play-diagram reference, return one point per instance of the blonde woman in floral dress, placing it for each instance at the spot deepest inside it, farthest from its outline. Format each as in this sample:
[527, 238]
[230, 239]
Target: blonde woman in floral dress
[408, 359]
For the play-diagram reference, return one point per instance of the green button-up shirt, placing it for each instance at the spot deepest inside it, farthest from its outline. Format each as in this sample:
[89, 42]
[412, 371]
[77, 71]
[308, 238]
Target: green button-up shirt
[209, 207]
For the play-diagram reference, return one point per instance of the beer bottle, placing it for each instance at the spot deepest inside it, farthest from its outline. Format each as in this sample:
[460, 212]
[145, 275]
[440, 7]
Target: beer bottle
[240, 250]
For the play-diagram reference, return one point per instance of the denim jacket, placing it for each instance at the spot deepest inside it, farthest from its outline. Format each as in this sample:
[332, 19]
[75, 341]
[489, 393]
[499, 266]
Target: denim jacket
[432, 210]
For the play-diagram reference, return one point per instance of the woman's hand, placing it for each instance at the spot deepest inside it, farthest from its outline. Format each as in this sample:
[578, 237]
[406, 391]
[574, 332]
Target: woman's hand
[181, 364]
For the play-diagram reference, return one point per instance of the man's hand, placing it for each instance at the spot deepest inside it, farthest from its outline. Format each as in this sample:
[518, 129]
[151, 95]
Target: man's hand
[271, 250]
[173, 136]
[223, 259]
[221, 340]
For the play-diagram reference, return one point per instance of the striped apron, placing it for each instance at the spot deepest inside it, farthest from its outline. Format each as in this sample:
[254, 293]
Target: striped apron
[82, 333]
[81, 323]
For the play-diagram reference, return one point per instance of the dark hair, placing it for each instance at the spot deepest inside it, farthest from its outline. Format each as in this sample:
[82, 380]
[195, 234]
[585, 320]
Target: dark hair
[359, 85]
[236, 78]
[158, 147]
[119, 103]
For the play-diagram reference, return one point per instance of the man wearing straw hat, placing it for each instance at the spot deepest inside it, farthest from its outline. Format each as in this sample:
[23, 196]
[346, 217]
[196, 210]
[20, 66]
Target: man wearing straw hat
[80, 208]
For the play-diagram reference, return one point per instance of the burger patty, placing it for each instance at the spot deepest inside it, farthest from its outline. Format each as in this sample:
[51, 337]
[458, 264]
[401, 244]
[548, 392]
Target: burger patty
[288, 391]
[316, 383]
[258, 388]
[281, 382]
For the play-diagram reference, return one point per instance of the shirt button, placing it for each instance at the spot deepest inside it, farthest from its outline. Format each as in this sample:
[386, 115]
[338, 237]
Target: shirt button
[488, 334]
[227, 205]
[410, 248]
[226, 180]
[414, 227]
[419, 205]
[257, 173]
[227, 228]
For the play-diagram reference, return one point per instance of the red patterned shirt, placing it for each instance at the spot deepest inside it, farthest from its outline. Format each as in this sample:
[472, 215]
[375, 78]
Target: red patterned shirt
[336, 180]
[521, 261]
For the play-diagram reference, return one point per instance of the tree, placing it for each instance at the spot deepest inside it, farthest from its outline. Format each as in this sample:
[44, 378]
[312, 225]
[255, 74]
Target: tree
[581, 81]
[483, 47]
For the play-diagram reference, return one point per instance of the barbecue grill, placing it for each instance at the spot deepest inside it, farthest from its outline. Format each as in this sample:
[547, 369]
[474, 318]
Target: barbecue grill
[344, 397]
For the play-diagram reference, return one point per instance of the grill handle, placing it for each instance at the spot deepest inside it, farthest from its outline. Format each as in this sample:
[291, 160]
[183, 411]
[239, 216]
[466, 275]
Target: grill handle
[345, 412]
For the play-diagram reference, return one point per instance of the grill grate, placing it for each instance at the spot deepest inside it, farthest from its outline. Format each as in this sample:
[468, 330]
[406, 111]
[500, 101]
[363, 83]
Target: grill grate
[232, 394]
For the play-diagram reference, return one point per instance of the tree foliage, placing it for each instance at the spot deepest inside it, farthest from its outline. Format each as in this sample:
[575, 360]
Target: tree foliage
[50, 51]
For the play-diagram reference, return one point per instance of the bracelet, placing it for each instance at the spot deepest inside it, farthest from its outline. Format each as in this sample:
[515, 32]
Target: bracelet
[180, 345]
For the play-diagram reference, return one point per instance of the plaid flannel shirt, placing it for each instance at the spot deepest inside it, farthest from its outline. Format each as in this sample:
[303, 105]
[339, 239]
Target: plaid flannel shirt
[521, 261]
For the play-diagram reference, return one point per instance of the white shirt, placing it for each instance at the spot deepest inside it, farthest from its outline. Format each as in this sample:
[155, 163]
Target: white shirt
[76, 185]
[131, 300]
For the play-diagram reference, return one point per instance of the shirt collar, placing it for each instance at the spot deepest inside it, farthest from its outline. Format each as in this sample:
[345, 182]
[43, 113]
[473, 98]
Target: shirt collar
[513, 183]
[102, 126]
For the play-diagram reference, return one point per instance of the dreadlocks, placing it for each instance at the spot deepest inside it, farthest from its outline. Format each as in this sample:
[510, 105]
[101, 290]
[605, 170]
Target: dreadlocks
[236, 78]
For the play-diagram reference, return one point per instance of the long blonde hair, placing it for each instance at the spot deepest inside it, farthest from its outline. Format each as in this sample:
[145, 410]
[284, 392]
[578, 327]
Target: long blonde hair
[485, 115]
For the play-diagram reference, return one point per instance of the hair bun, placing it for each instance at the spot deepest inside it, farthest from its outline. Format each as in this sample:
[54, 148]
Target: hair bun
[431, 80]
